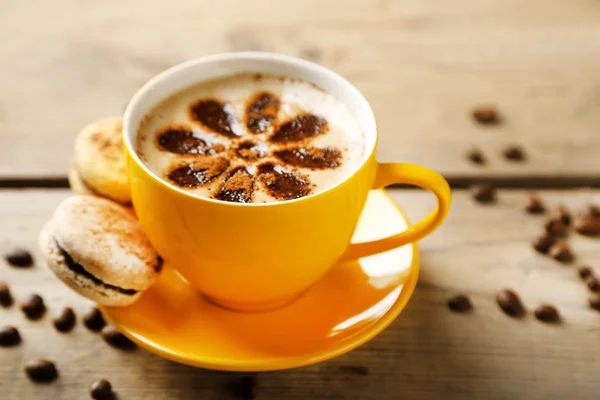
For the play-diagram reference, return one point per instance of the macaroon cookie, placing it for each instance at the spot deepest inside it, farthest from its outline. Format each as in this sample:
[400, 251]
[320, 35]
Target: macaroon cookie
[77, 185]
[97, 247]
[99, 163]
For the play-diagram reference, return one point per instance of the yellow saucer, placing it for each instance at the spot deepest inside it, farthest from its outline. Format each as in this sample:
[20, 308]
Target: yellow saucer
[349, 306]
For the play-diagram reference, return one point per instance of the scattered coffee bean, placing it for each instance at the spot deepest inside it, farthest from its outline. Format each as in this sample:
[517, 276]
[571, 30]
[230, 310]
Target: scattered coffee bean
[514, 153]
[41, 370]
[556, 227]
[94, 320]
[246, 388]
[311, 54]
[101, 390]
[585, 272]
[354, 370]
[593, 284]
[595, 301]
[543, 243]
[534, 205]
[547, 313]
[459, 303]
[587, 225]
[592, 210]
[561, 252]
[485, 114]
[6, 299]
[476, 157]
[34, 307]
[64, 320]
[19, 258]
[9, 336]
[116, 339]
[562, 214]
[483, 193]
[510, 303]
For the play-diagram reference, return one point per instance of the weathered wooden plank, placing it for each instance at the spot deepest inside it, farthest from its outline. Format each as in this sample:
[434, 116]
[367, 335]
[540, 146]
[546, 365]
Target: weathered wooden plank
[422, 64]
[428, 352]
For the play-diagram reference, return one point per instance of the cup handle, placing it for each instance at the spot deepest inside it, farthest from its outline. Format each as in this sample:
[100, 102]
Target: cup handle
[389, 173]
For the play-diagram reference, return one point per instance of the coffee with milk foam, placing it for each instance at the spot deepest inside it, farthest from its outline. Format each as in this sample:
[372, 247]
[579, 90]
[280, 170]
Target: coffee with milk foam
[251, 138]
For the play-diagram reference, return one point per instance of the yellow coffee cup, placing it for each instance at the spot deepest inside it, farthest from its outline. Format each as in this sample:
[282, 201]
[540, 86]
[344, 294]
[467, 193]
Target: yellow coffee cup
[260, 256]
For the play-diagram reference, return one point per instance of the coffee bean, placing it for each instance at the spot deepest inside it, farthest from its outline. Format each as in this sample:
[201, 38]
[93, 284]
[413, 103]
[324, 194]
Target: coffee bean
[593, 284]
[19, 258]
[595, 301]
[514, 153]
[585, 272]
[41, 370]
[9, 336]
[592, 210]
[34, 307]
[311, 54]
[485, 114]
[533, 205]
[246, 388]
[561, 252]
[64, 320]
[101, 390]
[94, 320]
[459, 303]
[587, 225]
[547, 313]
[6, 299]
[562, 214]
[476, 157]
[354, 370]
[510, 303]
[483, 193]
[543, 243]
[116, 339]
[556, 227]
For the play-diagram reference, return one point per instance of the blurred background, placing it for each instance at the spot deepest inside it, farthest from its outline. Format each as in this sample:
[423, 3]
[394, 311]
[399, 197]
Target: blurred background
[421, 63]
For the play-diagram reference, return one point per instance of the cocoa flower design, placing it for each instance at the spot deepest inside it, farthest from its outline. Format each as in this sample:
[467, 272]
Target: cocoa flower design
[257, 149]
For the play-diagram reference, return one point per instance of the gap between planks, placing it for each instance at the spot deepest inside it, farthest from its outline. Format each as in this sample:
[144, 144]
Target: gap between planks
[506, 182]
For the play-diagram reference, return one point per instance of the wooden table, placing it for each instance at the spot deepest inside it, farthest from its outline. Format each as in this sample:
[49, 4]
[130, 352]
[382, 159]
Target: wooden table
[423, 64]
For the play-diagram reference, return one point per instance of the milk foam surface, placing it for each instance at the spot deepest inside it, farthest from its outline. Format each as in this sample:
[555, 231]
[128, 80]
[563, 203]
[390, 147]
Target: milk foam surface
[325, 146]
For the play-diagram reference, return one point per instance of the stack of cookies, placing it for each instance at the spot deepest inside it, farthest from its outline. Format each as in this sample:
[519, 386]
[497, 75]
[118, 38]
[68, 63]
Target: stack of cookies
[94, 242]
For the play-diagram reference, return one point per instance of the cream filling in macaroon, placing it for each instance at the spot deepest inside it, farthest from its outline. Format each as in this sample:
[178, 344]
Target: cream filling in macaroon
[80, 270]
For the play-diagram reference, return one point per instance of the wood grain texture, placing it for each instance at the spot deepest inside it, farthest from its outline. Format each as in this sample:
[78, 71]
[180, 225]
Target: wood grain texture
[421, 63]
[427, 353]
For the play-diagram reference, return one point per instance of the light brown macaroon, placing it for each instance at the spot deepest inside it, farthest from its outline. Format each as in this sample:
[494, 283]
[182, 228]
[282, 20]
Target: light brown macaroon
[77, 185]
[97, 247]
[99, 163]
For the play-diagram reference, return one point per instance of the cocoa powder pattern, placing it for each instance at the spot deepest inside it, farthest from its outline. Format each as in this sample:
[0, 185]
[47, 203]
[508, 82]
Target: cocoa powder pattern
[277, 163]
